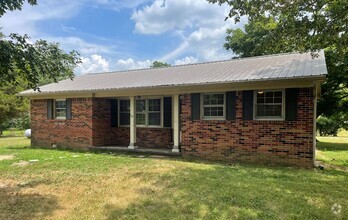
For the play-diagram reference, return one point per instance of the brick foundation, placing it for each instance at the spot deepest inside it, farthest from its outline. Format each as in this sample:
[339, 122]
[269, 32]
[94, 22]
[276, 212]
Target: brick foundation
[269, 142]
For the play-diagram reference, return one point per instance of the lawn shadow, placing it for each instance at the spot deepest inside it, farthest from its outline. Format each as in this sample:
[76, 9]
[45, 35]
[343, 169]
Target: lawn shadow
[329, 146]
[18, 203]
[238, 192]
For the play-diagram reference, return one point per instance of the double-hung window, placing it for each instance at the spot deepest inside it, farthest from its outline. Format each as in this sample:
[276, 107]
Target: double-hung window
[269, 104]
[148, 112]
[213, 105]
[60, 109]
[124, 112]
[141, 112]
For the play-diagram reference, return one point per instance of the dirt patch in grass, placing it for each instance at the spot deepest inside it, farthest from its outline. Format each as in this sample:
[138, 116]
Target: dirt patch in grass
[6, 157]
[21, 163]
[332, 166]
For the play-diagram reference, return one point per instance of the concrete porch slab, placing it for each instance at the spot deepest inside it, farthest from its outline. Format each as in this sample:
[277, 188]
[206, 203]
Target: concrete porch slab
[158, 151]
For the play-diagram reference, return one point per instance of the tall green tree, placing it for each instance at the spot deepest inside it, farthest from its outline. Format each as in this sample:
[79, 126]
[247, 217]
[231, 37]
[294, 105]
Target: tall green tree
[25, 64]
[302, 25]
[157, 64]
[307, 24]
[22, 60]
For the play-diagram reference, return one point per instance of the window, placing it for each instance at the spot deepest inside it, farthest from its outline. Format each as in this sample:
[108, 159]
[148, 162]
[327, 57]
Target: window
[154, 112]
[124, 112]
[60, 109]
[213, 105]
[141, 112]
[269, 104]
[148, 112]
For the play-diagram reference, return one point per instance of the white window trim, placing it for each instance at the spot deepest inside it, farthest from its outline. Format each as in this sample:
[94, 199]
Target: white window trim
[146, 98]
[213, 117]
[55, 109]
[269, 118]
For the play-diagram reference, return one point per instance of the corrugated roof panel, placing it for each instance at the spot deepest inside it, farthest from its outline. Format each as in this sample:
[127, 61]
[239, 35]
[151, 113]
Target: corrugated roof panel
[273, 67]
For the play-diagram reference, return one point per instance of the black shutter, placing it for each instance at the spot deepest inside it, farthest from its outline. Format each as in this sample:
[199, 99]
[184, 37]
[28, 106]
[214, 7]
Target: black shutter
[114, 112]
[231, 105]
[195, 106]
[291, 104]
[167, 114]
[248, 102]
[50, 109]
[68, 109]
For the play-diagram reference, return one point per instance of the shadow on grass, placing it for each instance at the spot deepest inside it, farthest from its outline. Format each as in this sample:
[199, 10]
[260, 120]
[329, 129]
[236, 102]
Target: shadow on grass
[235, 192]
[18, 203]
[328, 146]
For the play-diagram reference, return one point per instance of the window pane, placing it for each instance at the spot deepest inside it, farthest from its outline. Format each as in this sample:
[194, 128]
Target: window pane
[214, 111]
[269, 99]
[278, 94]
[260, 110]
[140, 119]
[213, 99]
[278, 100]
[154, 104]
[277, 110]
[124, 118]
[60, 104]
[60, 113]
[155, 118]
[140, 105]
[124, 105]
[269, 110]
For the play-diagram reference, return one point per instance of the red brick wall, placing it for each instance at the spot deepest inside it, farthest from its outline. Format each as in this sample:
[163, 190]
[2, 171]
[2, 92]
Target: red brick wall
[89, 126]
[76, 132]
[275, 142]
[104, 134]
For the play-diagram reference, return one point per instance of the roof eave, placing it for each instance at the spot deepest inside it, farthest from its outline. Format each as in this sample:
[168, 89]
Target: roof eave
[92, 92]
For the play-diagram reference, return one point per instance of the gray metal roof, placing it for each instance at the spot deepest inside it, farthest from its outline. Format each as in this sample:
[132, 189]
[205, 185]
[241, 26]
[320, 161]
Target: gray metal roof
[262, 68]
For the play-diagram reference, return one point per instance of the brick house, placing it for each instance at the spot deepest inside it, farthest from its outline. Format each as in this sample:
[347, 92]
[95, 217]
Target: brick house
[258, 110]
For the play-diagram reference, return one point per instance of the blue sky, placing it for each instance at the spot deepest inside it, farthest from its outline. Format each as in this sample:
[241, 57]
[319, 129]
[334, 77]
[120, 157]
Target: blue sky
[118, 34]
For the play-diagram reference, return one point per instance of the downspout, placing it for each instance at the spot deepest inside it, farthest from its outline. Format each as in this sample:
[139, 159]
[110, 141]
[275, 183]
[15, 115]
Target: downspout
[316, 84]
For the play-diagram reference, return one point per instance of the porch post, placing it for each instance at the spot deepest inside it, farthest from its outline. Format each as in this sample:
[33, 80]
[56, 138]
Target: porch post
[176, 127]
[132, 127]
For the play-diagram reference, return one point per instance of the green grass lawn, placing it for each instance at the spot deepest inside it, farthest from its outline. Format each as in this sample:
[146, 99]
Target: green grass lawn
[13, 133]
[333, 150]
[81, 185]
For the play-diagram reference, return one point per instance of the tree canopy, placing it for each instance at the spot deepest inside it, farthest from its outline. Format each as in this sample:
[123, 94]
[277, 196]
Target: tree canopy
[21, 59]
[305, 24]
[25, 64]
[11, 5]
[157, 64]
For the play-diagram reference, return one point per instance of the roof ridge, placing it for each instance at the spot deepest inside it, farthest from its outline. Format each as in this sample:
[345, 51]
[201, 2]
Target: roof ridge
[194, 64]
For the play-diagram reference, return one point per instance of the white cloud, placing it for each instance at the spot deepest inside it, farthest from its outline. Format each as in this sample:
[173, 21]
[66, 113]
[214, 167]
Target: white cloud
[94, 63]
[186, 60]
[130, 63]
[166, 15]
[25, 21]
[120, 4]
[82, 46]
[199, 24]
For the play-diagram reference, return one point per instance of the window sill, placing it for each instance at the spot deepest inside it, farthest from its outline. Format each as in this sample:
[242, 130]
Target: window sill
[59, 119]
[213, 119]
[269, 119]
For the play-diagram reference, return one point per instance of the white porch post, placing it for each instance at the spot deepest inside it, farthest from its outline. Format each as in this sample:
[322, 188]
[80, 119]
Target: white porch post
[132, 129]
[176, 127]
